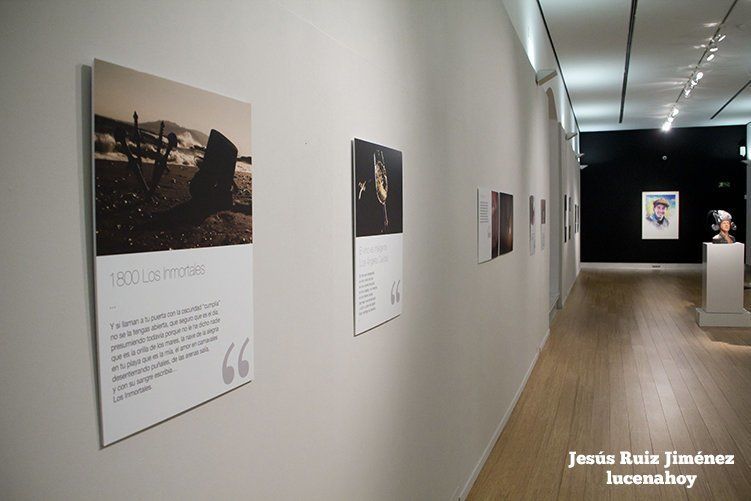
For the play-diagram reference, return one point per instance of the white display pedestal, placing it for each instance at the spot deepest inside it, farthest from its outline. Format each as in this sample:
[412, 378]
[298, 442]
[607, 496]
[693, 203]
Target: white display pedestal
[722, 287]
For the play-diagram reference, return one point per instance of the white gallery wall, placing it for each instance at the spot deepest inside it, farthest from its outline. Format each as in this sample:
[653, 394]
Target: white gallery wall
[405, 411]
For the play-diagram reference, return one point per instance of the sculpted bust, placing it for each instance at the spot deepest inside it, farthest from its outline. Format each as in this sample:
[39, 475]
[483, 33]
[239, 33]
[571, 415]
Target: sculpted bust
[724, 223]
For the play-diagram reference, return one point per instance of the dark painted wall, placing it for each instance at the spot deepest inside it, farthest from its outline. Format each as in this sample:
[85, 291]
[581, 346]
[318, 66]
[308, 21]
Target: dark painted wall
[623, 164]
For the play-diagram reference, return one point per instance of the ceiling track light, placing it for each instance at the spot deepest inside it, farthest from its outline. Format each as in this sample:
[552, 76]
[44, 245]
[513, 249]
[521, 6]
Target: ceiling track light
[710, 51]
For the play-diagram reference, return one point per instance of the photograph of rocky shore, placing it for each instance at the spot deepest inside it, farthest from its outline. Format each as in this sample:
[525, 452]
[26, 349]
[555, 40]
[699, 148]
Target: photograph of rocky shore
[172, 165]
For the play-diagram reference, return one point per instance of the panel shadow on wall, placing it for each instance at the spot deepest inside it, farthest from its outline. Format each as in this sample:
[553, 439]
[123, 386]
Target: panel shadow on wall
[702, 163]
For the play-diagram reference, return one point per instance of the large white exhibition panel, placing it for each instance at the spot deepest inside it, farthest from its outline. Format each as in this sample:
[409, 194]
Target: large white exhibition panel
[406, 411]
[174, 249]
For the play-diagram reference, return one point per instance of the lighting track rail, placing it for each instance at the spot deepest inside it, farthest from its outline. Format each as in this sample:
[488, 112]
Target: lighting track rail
[631, 23]
[730, 100]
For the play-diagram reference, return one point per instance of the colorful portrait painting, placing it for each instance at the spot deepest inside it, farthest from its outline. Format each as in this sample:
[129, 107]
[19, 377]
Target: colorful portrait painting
[660, 215]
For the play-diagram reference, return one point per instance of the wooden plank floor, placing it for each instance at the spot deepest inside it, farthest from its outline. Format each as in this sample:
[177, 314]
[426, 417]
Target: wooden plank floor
[627, 368]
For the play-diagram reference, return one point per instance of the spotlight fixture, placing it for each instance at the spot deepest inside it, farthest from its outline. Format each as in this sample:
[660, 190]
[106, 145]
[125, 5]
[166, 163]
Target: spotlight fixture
[713, 48]
[699, 75]
[666, 126]
[571, 135]
[720, 37]
[710, 57]
[579, 155]
[544, 76]
[670, 119]
[583, 166]
[674, 112]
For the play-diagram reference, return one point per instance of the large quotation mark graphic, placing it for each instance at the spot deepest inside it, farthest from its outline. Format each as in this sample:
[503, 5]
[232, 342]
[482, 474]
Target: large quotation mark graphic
[395, 296]
[243, 366]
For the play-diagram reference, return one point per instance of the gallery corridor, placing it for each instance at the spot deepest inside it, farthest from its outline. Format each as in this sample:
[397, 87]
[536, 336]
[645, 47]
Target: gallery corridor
[626, 368]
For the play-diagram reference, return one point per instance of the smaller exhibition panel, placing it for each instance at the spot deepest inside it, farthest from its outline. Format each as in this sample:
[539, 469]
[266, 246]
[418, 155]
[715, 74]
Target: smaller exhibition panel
[377, 201]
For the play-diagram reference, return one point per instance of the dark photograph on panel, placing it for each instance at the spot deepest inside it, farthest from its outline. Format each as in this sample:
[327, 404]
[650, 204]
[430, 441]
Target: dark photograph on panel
[565, 218]
[570, 218]
[532, 239]
[377, 186]
[506, 206]
[495, 222]
[172, 165]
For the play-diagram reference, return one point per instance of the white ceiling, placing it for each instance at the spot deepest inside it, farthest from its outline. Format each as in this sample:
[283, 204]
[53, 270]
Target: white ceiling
[590, 38]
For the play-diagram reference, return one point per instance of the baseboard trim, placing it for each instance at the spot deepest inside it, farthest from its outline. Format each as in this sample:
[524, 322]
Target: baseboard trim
[570, 288]
[551, 315]
[464, 491]
[539, 349]
[641, 266]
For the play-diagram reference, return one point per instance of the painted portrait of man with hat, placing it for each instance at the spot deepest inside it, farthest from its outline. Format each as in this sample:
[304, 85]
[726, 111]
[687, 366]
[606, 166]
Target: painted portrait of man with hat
[660, 215]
